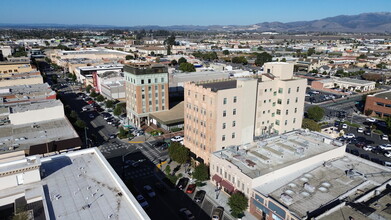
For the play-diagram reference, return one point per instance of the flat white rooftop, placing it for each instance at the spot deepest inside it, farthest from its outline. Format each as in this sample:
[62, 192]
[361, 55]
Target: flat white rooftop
[78, 185]
[306, 192]
[265, 156]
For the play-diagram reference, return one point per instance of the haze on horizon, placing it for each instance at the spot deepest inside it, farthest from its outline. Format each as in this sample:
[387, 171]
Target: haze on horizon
[175, 12]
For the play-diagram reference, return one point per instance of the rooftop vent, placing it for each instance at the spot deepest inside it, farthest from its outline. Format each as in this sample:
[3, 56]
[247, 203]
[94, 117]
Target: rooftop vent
[286, 198]
[308, 187]
[305, 194]
[293, 185]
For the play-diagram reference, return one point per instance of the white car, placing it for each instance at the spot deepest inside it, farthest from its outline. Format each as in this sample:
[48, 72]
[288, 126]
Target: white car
[350, 135]
[177, 139]
[344, 126]
[388, 154]
[368, 148]
[142, 201]
[384, 137]
[371, 120]
[360, 130]
[148, 189]
[385, 146]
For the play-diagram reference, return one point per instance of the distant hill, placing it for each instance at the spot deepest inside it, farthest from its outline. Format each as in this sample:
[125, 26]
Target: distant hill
[379, 22]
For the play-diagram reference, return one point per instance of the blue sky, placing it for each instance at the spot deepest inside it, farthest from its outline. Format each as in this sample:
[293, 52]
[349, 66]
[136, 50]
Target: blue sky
[175, 12]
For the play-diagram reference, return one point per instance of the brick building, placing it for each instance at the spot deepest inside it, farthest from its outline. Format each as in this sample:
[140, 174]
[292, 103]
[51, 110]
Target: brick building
[379, 104]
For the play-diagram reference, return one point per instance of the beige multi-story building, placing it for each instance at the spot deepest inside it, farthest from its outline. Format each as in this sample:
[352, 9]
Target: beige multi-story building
[280, 102]
[9, 68]
[146, 91]
[232, 112]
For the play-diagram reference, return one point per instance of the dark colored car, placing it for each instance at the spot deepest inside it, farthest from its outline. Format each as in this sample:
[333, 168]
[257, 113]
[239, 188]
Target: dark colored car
[360, 144]
[161, 145]
[367, 132]
[182, 183]
[199, 196]
[191, 188]
[217, 213]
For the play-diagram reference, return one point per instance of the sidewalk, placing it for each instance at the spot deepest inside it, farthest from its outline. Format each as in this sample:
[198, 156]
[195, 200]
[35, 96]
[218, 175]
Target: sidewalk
[222, 200]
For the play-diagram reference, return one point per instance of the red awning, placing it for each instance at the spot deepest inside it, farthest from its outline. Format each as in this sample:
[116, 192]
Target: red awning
[216, 178]
[228, 186]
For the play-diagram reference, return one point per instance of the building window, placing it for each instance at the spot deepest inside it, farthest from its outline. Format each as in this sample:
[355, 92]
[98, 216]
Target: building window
[234, 111]
[280, 90]
[279, 101]
[289, 90]
[224, 125]
[233, 123]
[274, 104]
[278, 112]
[274, 93]
[277, 122]
[142, 81]
[286, 112]
[295, 110]
[235, 99]
[224, 113]
[294, 120]
[297, 89]
[233, 135]
[264, 101]
[188, 92]
[265, 90]
[286, 122]
[223, 138]
[162, 79]
[273, 114]
[297, 99]
[270, 100]
[287, 101]
[157, 108]
[203, 97]
[149, 80]
[225, 101]
[155, 80]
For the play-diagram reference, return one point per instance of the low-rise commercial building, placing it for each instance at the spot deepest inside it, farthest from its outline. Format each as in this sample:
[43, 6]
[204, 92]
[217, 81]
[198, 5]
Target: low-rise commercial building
[379, 104]
[25, 78]
[75, 185]
[348, 84]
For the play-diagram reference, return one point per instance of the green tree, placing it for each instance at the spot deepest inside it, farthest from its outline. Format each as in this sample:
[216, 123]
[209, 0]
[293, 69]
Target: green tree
[109, 104]
[73, 115]
[310, 124]
[310, 51]
[93, 94]
[122, 133]
[129, 57]
[315, 113]
[174, 62]
[226, 52]
[263, 58]
[178, 152]
[238, 203]
[381, 65]
[167, 170]
[240, 59]
[260, 48]
[201, 172]
[80, 124]
[388, 122]
[187, 67]
[73, 77]
[100, 98]
[283, 60]
[117, 111]
[182, 60]
[88, 88]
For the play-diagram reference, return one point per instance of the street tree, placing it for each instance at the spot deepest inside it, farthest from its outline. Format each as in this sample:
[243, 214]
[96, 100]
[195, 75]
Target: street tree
[129, 57]
[240, 59]
[178, 152]
[263, 58]
[174, 62]
[88, 88]
[201, 172]
[315, 113]
[80, 124]
[238, 203]
[310, 124]
[73, 115]
[182, 60]
[100, 98]
[310, 51]
[226, 52]
[187, 67]
[109, 104]
[94, 94]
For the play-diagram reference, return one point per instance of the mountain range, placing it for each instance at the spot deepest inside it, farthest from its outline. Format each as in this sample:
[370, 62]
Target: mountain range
[379, 22]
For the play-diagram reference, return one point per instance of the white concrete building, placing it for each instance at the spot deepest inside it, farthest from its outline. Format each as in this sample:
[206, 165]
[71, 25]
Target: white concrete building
[76, 185]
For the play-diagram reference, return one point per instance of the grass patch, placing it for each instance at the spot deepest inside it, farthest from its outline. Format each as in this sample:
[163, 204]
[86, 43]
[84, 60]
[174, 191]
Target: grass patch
[378, 132]
[352, 124]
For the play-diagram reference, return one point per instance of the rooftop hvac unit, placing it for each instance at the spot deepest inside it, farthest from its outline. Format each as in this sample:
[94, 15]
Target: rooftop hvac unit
[308, 187]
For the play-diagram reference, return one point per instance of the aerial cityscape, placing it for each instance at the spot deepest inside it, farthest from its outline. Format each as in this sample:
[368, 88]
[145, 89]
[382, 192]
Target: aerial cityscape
[221, 110]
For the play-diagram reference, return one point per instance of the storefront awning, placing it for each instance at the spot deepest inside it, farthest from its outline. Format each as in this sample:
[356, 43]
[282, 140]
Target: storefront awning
[228, 186]
[216, 178]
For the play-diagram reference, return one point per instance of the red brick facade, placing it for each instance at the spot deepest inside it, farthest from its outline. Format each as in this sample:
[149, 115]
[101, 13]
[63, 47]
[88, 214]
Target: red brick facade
[380, 107]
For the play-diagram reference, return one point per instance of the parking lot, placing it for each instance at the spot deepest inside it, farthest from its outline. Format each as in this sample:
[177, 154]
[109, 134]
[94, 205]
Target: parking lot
[355, 145]
[314, 96]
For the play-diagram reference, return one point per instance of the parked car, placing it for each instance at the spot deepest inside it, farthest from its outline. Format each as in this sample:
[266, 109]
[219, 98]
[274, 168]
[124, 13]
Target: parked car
[360, 144]
[112, 136]
[217, 213]
[360, 130]
[191, 188]
[142, 201]
[177, 139]
[367, 132]
[384, 137]
[368, 148]
[90, 102]
[373, 120]
[186, 214]
[344, 126]
[385, 146]
[387, 154]
[161, 145]
[349, 135]
[199, 196]
[182, 183]
[148, 189]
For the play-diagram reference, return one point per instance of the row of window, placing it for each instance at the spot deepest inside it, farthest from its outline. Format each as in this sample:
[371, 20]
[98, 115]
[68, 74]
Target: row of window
[233, 135]
[225, 112]
[231, 178]
[233, 124]
[286, 122]
[225, 100]
[146, 81]
[9, 71]
[195, 142]
[150, 88]
[383, 104]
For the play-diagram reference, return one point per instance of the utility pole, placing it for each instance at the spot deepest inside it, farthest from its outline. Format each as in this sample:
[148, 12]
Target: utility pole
[85, 134]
